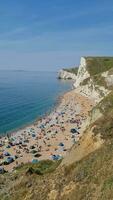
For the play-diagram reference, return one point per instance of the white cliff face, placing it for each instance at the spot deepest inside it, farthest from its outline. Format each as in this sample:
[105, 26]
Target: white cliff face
[82, 73]
[109, 80]
[66, 75]
[92, 91]
[89, 90]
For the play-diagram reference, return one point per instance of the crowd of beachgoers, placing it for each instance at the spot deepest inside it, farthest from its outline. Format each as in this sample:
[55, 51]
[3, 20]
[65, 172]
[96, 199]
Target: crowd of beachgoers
[50, 137]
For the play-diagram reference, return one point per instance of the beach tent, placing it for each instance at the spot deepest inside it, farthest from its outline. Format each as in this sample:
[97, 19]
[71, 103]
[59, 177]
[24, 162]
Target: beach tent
[15, 157]
[61, 144]
[74, 130]
[6, 153]
[2, 170]
[33, 135]
[1, 145]
[32, 147]
[8, 160]
[8, 146]
[33, 151]
[37, 155]
[34, 161]
[56, 157]
[1, 155]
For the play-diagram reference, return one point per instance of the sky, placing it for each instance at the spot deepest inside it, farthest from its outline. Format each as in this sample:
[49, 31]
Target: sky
[48, 35]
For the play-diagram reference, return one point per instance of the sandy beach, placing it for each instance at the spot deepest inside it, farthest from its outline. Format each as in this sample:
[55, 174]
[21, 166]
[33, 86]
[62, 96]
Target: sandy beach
[50, 137]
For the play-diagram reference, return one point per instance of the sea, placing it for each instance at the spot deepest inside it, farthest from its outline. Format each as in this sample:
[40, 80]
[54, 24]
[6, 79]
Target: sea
[26, 96]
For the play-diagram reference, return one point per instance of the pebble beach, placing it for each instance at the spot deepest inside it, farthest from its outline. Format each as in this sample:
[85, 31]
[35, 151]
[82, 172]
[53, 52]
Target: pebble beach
[50, 137]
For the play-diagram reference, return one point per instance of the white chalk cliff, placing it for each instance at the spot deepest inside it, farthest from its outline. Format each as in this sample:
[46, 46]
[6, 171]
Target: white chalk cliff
[85, 84]
[82, 72]
[66, 75]
[90, 89]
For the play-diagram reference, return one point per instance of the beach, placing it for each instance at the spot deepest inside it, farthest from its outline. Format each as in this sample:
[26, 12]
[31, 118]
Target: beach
[50, 137]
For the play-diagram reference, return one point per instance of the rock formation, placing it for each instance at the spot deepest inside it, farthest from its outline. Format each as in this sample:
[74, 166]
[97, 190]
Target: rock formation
[63, 74]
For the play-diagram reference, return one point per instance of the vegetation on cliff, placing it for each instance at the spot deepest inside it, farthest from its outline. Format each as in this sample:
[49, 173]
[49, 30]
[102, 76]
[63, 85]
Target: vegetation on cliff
[97, 65]
[73, 70]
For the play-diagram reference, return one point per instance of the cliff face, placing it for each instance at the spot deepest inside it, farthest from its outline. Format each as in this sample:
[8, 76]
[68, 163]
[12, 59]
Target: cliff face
[94, 81]
[92, 91]
[82, 72]
[66, 75]
[93, 78]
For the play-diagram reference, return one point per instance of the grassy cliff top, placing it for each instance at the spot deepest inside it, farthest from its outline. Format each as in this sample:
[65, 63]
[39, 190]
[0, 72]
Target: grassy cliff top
[73, 70]
[97, 65]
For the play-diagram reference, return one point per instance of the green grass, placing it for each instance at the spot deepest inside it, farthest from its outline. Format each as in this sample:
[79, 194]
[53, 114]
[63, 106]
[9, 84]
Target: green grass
[72, 70]
[91, 176]
[99, 80]
[44, 166]
[97, 65]
[108, 184]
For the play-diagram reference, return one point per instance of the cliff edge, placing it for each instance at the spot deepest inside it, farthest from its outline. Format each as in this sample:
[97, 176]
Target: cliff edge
[70, 73]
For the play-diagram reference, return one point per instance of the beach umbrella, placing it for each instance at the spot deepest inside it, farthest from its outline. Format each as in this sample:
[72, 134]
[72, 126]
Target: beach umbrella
[8, 160]
[6, 153]
[2, 170]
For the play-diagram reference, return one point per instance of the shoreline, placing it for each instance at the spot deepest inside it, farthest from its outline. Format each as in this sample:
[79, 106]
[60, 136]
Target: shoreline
[55, 105]
[45, 141]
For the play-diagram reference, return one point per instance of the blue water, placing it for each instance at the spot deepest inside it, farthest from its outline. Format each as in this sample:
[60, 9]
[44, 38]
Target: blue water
[25, 95]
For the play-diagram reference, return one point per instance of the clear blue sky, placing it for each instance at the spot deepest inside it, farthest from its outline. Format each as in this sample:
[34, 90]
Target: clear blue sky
[50, 34]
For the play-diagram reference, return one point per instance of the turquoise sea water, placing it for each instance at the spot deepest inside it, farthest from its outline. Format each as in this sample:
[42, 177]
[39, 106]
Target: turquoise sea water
[25, 95]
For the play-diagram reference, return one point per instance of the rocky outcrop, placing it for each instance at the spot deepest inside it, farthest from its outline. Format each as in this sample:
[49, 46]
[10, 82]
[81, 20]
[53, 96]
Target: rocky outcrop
[86, 86]
[92, 91]
[66, 75]
[109, 80]
[82, 72]
[94, 77]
